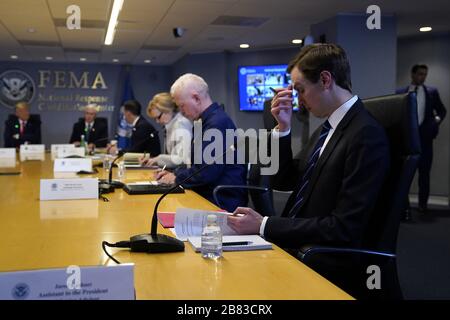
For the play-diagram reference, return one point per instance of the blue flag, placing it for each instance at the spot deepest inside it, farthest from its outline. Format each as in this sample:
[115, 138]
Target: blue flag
[124, 130]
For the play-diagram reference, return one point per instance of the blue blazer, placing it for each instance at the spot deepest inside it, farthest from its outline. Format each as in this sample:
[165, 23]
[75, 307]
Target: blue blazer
[429, 128]
[215, 174]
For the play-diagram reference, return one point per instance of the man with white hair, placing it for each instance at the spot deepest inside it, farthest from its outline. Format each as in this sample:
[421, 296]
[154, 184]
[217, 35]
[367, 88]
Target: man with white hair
[95, 131]
[190, 92]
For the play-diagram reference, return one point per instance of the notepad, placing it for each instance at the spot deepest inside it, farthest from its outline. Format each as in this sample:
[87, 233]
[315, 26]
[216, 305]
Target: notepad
[234, 243]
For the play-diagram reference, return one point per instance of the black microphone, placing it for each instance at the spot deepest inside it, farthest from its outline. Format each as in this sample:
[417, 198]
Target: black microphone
[159, 243]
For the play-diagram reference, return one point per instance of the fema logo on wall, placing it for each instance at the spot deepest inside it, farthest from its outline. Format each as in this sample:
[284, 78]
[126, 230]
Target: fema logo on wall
[20, 291]
[16, 86]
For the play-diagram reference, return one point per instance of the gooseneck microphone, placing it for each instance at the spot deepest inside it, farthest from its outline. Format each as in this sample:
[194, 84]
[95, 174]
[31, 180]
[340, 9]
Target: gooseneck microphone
[158, 243]
[154, 242]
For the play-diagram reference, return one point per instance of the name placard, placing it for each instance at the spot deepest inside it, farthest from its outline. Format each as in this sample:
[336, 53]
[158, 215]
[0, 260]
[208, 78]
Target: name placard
[71, 283]
[32, 156]
[32, 148]
[72, 165]
[7, 162]
[8, 153]
[66, 152]
[55, 147]
[69, 189]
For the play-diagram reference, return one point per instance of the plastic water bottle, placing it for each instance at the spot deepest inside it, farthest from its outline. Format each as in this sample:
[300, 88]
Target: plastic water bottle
[211, 239]
[83, 144]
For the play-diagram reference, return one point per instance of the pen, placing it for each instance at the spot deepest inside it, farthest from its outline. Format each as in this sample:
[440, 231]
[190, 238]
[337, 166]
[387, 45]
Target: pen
[273, 90]
[237, 243]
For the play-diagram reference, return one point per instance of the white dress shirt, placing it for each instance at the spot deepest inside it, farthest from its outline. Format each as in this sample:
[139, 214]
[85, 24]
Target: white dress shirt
[420, 101]
[334, 119]
[177, 141]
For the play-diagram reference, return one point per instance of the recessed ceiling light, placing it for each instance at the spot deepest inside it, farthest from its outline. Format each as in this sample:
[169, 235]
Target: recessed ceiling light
[297, 41]
[31, 30]
[244, 46]
[82, 59]
[147, 61]
[14, 57]
[425, 29]
[115, 60]
[48, 58]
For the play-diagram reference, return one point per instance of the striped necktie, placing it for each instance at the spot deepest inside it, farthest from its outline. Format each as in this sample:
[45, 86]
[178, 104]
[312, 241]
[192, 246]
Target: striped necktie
[310, 168]
[88, 131]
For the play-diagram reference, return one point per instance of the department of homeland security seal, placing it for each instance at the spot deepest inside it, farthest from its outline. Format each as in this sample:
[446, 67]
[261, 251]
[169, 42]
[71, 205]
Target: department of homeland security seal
[20, 291]
[16, 86]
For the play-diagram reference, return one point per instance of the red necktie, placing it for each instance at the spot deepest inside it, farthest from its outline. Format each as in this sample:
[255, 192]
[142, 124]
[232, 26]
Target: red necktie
[22, 127]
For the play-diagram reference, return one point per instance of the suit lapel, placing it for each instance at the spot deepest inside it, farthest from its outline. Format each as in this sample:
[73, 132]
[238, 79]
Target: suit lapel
[337, 135]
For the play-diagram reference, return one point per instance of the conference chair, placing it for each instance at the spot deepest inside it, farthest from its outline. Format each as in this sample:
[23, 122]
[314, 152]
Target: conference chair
[258, 186]
[361, 271]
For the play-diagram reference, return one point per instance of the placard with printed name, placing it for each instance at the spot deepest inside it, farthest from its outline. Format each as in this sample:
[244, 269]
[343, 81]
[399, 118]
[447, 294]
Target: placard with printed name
[68, 189]
[65, 152]
[55, 147]
[32, 149]
[71, 283]
[72, 165]
[8, 153]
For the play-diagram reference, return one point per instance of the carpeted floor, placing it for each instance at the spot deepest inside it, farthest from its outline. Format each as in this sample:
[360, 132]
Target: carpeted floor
[424, 255]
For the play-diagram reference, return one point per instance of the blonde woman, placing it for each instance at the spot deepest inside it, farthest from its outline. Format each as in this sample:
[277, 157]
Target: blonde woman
[178, 132]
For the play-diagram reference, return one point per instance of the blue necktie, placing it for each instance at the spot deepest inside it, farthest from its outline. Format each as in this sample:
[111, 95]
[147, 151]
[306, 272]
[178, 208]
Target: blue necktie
[310, 168]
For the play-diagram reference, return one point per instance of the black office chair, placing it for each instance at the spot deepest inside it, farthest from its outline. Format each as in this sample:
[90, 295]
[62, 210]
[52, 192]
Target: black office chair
[348, 267]
[258, 186]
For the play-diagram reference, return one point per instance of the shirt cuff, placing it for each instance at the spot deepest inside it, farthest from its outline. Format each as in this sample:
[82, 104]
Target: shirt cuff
[277, 134]
[263, 226]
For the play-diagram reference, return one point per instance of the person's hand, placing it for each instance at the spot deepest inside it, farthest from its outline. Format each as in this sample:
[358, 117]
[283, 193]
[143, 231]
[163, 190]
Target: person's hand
[91, 146]
[143, 160]
[281, 108]
[112, 150]
[245, 221]
[165, 177]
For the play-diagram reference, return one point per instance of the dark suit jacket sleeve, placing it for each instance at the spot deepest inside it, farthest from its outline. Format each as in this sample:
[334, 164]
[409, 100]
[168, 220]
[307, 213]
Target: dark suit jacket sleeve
[102, 133]
[288, 173]
[365, 168]
[33, 133]
[142, 140]
[7, 136]
[75, 133]
[438, 106]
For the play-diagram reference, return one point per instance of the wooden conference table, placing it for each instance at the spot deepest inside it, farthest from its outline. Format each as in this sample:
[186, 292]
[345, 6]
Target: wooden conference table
[55, 234]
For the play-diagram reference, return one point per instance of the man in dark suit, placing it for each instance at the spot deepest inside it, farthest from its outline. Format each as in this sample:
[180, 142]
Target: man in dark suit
[431, 112]
[95, 131]
[144, 137]
[342, 168]
[22, 127]
[190, 93]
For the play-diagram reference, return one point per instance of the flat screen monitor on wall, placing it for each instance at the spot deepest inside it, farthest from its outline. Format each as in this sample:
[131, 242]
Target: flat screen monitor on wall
[255, 83]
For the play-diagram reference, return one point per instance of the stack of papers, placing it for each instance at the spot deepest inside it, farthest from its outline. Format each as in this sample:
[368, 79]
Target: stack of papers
[189, 224]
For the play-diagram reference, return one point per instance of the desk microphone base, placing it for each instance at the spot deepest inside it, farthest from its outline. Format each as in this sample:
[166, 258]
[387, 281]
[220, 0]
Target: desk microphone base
[155, 244]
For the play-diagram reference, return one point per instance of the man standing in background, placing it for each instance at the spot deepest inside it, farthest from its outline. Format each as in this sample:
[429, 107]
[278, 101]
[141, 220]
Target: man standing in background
[431, 112]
